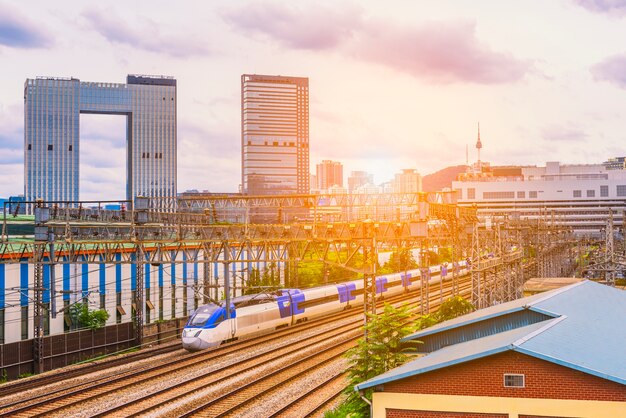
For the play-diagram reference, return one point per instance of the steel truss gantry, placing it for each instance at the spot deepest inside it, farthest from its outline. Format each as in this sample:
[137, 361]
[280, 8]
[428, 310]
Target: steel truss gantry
[613, 258]
[302, 227]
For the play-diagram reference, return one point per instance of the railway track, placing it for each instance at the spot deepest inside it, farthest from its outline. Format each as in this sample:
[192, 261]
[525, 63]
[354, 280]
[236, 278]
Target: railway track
[219, 382]
[86, 368]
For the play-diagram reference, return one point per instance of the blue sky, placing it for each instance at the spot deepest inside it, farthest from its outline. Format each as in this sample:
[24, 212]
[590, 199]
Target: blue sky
[395, 84]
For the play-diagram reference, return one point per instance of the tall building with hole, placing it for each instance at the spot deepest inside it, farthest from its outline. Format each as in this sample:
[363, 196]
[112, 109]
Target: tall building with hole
[274, 134]
[52, 108]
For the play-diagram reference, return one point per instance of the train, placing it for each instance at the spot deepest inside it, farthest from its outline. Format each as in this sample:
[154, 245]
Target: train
[264, 312]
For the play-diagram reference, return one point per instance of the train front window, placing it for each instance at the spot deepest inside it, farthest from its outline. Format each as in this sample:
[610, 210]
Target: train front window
[202, 315]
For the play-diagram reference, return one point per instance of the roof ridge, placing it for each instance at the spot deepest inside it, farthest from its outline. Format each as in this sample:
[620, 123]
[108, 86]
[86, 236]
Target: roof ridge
[551, 322]
[556, 292]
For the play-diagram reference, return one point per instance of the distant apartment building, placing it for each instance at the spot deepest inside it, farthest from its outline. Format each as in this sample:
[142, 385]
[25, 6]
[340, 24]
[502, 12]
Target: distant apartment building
[357, 179]
[52, 108]
[576, 196]
[328, 174]
[274, 134]
[407, 181]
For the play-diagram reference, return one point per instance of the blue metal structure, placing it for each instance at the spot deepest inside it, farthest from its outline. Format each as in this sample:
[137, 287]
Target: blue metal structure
[578, 326]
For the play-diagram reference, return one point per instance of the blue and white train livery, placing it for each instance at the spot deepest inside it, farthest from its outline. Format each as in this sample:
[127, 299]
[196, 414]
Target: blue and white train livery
[261, 313]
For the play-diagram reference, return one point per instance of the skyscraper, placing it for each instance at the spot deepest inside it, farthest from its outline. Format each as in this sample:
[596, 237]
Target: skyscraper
[408, 181]
[52, 108]
[274, 134]
[357, 179]
[329, 173]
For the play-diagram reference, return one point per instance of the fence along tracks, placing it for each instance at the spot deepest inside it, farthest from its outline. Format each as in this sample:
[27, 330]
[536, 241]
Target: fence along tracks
[223, 384]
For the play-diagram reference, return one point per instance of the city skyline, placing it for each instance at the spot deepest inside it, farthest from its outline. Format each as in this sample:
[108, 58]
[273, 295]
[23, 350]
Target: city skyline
[390, 87]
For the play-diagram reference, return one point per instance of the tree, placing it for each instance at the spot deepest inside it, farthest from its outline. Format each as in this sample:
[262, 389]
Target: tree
[382, 351]
[453, 307]
[88, 318]
[400, 260]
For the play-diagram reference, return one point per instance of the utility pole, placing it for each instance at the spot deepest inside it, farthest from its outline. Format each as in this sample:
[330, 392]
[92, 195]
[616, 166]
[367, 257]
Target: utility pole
[140, 217]
[42, 215]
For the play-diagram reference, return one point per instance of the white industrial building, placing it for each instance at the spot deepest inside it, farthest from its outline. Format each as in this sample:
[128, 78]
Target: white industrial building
[577, 196]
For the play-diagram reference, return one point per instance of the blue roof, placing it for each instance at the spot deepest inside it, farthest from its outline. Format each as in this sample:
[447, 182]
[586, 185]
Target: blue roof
[584, 316]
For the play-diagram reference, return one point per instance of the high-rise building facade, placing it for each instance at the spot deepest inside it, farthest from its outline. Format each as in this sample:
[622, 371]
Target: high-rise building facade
[52, 108]
[408, 181]
[274, 134]
[357, 179]
[329, 173]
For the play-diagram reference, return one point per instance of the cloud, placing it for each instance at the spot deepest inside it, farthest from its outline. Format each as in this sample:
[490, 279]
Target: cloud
[612, 69]
[11, 156]
[610, 7]
[563, 133]
[12, 130]
[440, 52]
[146, 35]
[317, 28]
[17, 31]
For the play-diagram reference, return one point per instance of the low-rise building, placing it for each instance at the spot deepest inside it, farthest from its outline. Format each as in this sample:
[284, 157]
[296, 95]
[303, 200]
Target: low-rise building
[554, 354]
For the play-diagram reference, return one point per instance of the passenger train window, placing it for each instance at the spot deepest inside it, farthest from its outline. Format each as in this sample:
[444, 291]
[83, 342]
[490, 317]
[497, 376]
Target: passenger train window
[200, 317]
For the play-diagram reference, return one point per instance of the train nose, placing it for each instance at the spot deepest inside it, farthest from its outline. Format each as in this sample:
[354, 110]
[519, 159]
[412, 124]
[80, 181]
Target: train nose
[194, 344]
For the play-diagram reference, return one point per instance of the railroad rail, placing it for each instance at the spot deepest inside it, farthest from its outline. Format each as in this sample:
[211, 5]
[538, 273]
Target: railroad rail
[193, 367]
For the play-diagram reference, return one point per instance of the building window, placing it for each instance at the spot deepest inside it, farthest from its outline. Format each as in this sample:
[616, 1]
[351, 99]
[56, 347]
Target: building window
[30, 147]
[621, 190]
[577, 193]
[49, 147]
[514, 381]
[604, 191]
[591, 193]
[521, 195]
[471, 193]
[498, 195]
[70, 148]
[532, 194]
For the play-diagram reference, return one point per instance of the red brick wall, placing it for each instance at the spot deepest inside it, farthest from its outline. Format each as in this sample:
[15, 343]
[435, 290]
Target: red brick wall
[402, 413]
[484, 377]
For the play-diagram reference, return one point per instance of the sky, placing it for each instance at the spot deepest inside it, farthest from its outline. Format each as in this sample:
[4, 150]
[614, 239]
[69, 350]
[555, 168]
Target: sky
[394, 84]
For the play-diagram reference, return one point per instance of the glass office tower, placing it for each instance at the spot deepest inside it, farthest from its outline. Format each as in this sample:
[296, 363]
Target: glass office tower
[52, 108]
[274, 134]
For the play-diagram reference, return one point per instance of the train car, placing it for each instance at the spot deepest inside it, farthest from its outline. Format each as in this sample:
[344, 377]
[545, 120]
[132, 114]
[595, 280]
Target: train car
[264, 312]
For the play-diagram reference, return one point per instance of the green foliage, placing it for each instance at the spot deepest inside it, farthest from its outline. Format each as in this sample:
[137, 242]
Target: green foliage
[453, 307]
[24, 375]
[450, 309]
[382, 351]
[434, 258]
[348, 409]
[445, 254]
[400, 260]
[88, 318]
[426, 321]
[314, 273]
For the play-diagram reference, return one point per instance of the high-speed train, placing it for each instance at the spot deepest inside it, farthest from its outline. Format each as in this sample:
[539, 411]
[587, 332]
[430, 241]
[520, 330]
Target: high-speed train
[264, 312]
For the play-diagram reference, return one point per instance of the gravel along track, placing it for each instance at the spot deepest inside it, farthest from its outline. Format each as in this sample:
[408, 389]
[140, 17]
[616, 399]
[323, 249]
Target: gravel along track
[268, 375]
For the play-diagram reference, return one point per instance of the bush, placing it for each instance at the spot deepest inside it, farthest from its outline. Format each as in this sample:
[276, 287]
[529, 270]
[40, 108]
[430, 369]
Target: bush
[88, 318]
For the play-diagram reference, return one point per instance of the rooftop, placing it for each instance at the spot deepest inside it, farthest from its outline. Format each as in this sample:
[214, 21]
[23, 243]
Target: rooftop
[577, 321]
